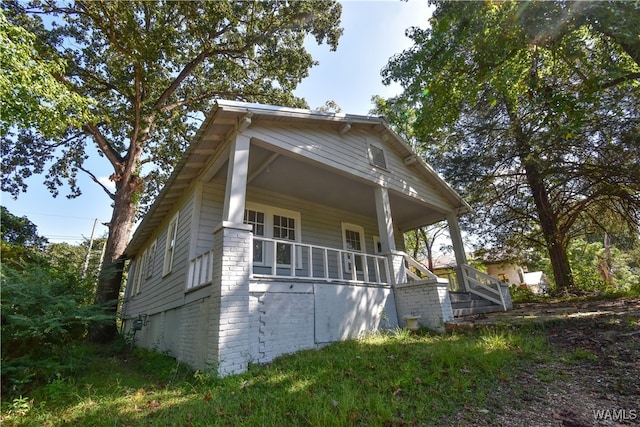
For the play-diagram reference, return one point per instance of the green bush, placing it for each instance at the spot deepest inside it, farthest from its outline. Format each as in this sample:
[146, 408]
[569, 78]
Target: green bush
[587, 260]
[45, 310]
[521, 294]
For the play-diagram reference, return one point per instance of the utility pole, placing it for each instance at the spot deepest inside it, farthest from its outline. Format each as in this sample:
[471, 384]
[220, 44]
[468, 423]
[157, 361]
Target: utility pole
[86, 260]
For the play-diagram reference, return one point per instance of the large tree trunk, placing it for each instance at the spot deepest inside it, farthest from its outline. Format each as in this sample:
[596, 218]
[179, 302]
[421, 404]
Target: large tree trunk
[110, 280]
[555, 241]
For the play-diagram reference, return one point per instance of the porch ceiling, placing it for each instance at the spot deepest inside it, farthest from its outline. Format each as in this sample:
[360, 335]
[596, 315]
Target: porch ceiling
[284, 173]
[311, 182]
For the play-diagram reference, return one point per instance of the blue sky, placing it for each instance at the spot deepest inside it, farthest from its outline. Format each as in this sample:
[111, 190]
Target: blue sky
[373, 32]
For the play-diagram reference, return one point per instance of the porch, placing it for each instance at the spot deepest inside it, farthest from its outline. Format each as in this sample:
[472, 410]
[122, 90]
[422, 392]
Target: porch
[425, 295]
[289, 260]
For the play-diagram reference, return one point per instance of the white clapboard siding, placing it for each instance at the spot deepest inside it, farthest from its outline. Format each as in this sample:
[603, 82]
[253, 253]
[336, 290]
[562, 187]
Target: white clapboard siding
[160, 293]
[349, 154]
[210, 215]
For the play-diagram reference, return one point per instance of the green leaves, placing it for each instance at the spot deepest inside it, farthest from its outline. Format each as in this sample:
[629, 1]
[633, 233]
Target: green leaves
[45, 308]
[152, 70]
[32, 96]
[521, 105]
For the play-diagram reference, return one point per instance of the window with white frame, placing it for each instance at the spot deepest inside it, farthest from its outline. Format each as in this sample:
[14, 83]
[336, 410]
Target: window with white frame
[149, 257]
[138, 275]
[353, 241]
[256, 219]
[172, 233]
[274, 223]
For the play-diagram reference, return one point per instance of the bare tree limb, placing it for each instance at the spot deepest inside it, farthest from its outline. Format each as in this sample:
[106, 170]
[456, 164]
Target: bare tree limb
[97, 181]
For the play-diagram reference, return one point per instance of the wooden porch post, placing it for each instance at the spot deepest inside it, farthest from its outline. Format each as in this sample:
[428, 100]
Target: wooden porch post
[385, 221]
[236, 191]
[387, 236]
[458, 249]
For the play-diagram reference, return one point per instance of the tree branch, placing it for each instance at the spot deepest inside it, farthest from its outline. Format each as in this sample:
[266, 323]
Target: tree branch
[114, 157]
[619, 80]
[186, 71]
[97, 181]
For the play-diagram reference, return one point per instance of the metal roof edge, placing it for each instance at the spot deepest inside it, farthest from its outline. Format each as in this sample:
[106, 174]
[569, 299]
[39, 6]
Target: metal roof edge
[300, 113]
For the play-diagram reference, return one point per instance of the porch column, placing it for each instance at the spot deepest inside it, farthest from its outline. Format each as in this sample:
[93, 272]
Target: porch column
[236, 191]
[385, 221]
[228, 337]
[458, 249]
[387, 236]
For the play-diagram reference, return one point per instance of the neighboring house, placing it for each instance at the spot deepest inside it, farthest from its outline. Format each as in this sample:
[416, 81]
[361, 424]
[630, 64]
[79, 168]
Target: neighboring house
[512, 273]
[282, 229]
[508, 272]
[444, 266]
[536, 281]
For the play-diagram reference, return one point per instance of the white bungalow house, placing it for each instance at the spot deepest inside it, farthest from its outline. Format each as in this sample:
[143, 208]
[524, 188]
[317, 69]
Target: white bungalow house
[282, 229]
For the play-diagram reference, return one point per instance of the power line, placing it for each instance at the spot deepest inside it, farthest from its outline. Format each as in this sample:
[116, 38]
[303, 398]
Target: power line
[54, 215]
[56, 236]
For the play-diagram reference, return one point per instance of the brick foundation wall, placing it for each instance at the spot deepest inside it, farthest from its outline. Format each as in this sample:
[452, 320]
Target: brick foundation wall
[194, 328]
[228, 338]
[430, 302]
[281, 322]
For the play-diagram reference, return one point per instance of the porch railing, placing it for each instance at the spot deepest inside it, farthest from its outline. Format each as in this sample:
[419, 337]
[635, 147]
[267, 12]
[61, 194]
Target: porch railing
[200, 270]
[425, 274]
[287, 259]
[481, 284]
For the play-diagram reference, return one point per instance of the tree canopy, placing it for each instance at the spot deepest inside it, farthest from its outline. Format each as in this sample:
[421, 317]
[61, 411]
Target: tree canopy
[32, 98]
[19, 230]
[531, 110]
[152, 70]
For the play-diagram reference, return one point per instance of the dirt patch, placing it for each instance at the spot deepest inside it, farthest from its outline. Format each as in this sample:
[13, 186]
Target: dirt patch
[593, 378]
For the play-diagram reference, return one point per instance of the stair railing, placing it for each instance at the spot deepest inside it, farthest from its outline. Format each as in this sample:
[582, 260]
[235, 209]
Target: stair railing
[427, 275]
[483, 285]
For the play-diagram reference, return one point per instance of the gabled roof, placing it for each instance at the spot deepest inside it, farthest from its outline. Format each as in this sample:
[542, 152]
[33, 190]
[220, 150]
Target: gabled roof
[228, 117]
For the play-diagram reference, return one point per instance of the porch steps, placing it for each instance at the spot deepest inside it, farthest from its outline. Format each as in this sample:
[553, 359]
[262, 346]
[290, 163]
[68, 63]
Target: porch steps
[466, 304]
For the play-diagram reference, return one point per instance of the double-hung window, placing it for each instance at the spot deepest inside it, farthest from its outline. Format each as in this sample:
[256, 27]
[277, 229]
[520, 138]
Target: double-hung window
[352, 241]
[170, 248]
[143, 268]
[284, 228]
[277, 224]
[138, 275]
[255, 218]
[149, 258]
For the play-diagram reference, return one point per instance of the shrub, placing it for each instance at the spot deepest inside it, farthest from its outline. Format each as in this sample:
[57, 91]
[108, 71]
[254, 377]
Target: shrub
[521, 294]
[44, 311]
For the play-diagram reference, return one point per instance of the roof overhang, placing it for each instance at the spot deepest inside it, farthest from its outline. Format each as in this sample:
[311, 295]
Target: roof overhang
[228, 118]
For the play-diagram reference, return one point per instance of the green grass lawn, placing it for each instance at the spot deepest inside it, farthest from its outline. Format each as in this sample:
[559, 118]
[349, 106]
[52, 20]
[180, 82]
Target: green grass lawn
[384, 379]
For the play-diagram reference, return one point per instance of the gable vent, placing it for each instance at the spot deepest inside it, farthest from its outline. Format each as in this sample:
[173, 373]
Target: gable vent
[376, 157]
